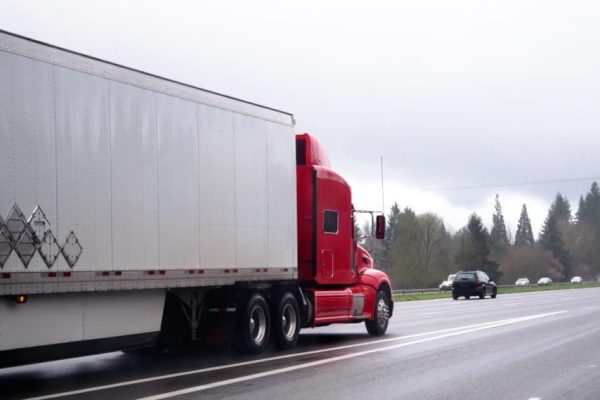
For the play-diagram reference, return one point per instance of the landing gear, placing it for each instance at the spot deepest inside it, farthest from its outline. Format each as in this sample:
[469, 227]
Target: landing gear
[381, 316]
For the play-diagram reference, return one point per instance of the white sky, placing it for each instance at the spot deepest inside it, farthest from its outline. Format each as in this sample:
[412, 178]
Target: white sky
[451, 94]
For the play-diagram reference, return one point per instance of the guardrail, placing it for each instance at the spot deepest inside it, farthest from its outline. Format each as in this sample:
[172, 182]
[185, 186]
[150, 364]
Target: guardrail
[432, 290]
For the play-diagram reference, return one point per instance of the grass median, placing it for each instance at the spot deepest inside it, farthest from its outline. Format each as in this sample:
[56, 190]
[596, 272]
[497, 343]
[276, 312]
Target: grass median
[533, 288]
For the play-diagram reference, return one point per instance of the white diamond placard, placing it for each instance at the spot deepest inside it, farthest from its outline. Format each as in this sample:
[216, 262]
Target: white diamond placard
[26, 245]
[39, 223]
[15, 223]
[5, 243]
[72, 249]
[49, 249]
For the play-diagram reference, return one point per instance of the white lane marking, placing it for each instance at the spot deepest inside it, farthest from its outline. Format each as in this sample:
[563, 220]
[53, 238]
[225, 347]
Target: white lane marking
[428, 313]
[252, 362]
[278, 371]
[535, 398]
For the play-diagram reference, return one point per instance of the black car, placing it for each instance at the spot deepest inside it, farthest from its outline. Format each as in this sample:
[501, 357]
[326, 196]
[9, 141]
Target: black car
[473, 283]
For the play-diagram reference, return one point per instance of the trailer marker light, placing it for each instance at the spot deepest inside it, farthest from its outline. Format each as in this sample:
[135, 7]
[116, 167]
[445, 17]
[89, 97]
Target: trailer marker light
[226, 271]
[162, 272]
[235, 270]
[104, 273]
[191, 271]
[150, 272]
[51, 274]
[6, 275]
[118, 273]
[21, 299]
[67, 274]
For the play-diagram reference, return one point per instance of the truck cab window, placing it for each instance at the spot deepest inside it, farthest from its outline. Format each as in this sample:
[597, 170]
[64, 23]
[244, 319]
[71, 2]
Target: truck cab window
[330, 222]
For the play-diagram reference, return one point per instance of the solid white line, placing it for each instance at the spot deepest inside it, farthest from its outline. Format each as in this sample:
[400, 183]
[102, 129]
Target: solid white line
[252, 362]
[278, 371]
[259, 361]
[429, 313]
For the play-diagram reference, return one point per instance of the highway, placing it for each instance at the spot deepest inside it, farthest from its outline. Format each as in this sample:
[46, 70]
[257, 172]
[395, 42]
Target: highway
[540, 345]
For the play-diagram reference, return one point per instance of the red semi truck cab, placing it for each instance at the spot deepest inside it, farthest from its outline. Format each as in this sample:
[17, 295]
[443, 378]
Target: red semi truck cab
[334, 270]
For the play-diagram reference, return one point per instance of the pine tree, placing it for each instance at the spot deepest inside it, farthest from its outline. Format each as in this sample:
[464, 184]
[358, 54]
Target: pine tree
[524, 236]
[475, 248]
[561, 208]
[589, 209]
[393, 222]
[498, 236]
[551, 236]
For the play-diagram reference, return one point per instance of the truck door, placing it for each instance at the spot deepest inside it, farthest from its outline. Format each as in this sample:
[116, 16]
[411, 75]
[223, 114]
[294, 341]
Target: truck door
[334, 230]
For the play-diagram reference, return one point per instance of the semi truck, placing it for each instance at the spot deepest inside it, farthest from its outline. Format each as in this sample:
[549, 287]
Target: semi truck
[136, 211]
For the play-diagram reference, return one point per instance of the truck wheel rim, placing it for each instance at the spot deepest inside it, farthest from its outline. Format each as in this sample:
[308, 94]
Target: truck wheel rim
[289, 320]
[383, 312]
[258, 324]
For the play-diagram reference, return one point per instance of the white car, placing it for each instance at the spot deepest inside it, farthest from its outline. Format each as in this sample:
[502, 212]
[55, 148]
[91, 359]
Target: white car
[576, 279]
[522, 282]
[447, 284]
[545, 281]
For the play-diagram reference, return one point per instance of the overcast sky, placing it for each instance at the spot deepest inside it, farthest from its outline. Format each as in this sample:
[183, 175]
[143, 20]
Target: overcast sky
[449, 93]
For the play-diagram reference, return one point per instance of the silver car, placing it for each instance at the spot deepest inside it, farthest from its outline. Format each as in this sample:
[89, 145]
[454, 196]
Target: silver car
[522, 282]
[544, 281]
[576, 279]
[447, 284]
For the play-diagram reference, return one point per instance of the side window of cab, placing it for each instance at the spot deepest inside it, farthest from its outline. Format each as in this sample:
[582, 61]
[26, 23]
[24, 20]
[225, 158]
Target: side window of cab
[330, 222]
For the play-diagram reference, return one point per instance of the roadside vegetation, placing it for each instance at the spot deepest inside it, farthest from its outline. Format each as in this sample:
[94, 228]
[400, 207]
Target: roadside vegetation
[419, 252]
[501, 291]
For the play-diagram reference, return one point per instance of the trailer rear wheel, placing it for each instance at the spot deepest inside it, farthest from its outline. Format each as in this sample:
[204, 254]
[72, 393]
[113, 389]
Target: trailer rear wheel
[381, 315]
[286, 321]
[253, 327]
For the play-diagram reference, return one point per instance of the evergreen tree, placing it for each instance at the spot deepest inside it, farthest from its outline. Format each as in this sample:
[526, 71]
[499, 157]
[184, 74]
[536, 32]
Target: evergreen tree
[561, 208]
[524, 236]
[498, 236]
[589, 209]
[393, 224]
[551, 238]
[475, 248]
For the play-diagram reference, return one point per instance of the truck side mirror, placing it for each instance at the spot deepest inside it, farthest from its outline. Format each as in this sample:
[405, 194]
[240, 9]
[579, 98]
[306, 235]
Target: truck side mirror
[380, 227]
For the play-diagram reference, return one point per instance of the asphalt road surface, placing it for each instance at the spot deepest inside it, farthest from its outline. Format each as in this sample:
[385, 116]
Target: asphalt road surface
[542, 345]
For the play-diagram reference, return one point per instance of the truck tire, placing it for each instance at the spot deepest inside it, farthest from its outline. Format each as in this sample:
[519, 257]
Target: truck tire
[378, 325]
[253, 325]
[285, 320]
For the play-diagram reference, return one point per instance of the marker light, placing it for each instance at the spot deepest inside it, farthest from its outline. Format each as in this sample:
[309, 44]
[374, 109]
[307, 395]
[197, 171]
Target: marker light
[21, 298]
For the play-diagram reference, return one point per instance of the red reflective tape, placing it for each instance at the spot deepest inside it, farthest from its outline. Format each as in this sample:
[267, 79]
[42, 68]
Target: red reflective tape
[5, 275]
[162, 272]
[235, 270]
[67, 274]
[226, 271]
[257, 269]
[200, 271]
[51, 274]
[118, 273]
[191, 271]
[265, 269]
[105, 273]
[285, 269]
[150, 272]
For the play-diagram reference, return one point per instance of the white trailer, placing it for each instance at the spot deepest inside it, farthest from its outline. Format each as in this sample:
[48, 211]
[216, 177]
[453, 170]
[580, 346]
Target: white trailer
[119, 189]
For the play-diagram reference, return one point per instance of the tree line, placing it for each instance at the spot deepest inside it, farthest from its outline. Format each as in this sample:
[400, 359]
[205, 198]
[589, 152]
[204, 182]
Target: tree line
[418, 250]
